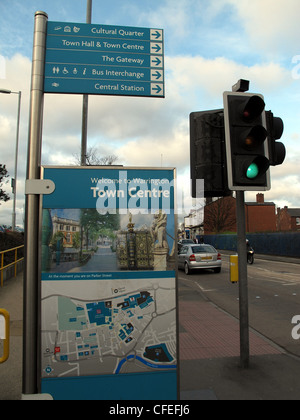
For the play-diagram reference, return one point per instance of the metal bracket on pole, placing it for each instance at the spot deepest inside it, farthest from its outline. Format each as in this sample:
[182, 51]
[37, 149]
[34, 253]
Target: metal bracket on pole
[39, 186]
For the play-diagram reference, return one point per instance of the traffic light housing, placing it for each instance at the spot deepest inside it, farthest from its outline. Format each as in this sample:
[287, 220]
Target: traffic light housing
[207, 153]
[246, 142]
[275, 128]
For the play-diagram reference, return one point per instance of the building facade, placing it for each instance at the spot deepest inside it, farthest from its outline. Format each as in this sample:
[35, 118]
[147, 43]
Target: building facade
[288, 219]
[68, 227]
[260, 216]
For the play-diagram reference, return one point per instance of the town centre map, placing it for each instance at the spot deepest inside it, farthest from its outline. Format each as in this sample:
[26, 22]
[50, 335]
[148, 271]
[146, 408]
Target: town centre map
[108, 327]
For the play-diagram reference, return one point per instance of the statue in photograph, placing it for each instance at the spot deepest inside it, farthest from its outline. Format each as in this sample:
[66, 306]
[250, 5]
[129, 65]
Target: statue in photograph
[159, 235]
[159, 230]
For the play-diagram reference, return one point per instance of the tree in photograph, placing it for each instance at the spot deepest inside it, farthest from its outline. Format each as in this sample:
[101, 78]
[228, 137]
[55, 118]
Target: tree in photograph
[94, 224]
[3, 180]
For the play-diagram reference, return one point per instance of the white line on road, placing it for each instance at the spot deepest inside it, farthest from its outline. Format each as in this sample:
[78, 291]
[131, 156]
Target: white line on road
[198, 285]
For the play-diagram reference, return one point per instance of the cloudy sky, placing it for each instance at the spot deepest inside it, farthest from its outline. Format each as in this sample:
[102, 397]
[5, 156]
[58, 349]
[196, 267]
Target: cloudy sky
[209, 45]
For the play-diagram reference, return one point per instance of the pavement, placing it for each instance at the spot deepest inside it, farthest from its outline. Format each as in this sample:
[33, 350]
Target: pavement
[209, 354]
[210, 357]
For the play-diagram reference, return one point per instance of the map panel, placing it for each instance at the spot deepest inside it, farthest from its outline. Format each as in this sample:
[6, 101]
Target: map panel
[130, 327]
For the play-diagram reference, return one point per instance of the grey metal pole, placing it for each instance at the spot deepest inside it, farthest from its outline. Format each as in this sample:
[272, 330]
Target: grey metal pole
[85, 102]
[31, 281]
[89, 11]
[243, 281]
[16, 163]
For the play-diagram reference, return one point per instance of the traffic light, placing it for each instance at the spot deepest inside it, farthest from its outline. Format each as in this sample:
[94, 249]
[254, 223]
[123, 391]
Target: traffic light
[207, 153]
[275, 128]
[246, 142]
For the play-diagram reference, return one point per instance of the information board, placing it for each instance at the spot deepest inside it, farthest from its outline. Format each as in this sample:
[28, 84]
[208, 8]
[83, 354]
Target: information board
[109, 284]
[102, 59]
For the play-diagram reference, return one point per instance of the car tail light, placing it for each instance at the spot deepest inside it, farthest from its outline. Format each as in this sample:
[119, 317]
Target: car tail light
[219, 256]
[192, 257]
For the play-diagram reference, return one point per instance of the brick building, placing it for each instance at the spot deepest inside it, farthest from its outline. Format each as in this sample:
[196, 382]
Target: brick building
[68, 227]
[288, 219]
[220, 216]
[260, 216]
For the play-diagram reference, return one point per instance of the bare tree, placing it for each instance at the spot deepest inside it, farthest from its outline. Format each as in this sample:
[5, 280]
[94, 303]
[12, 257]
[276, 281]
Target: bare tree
[220, 215]
[93, 158]
[3, 176]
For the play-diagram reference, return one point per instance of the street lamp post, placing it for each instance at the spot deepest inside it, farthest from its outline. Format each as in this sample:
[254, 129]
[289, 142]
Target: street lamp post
[14, 183]
[85, 102]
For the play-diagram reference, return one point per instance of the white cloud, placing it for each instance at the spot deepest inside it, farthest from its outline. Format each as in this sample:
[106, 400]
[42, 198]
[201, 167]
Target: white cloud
[285, 183]
[171, 150]
[272, 26]
[219, 74]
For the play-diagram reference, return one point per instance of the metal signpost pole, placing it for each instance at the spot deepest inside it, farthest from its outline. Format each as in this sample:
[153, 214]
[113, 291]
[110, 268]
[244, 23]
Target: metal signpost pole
[85, 101]
[31, 283]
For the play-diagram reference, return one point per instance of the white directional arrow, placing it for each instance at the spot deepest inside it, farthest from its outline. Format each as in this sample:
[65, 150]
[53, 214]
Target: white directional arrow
[157, 75]
[156, 34]
[156, 61]
[157, 89]
[156, 47]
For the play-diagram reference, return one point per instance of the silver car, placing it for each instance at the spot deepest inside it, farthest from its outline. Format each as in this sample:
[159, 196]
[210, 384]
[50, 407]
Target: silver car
[195, 256]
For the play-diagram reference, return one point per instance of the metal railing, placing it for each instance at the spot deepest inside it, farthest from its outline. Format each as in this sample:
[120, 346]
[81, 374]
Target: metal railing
[15, 262]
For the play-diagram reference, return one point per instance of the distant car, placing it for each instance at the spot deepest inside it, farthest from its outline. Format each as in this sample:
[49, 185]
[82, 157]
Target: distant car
[184, 242]
[19, 229]
[195, 256]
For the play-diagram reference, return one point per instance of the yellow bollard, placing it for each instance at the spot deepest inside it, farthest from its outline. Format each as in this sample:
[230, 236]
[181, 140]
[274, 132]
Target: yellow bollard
[234, 268]
[4, 334]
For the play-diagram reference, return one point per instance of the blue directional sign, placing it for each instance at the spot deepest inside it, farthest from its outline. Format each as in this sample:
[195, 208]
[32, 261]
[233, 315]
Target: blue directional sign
[104, 59]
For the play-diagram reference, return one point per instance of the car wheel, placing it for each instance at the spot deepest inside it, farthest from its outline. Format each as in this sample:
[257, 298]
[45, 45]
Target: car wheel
[217, 270]
[187, 269]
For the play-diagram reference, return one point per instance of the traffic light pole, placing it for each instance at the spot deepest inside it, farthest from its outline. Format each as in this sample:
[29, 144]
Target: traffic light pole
[242, 86]
[243, 281]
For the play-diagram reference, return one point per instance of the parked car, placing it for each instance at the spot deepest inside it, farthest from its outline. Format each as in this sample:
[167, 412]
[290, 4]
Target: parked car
[195, 256]
[183, 242]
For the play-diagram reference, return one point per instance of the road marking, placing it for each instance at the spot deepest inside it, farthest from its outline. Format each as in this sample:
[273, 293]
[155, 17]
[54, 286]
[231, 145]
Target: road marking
[202, 288]
[197, 284]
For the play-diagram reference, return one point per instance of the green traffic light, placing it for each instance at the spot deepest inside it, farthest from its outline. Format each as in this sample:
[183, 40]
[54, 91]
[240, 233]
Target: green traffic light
[252, 171]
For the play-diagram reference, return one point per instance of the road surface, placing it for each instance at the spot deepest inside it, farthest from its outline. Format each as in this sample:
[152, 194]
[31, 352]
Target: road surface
[274, 296]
